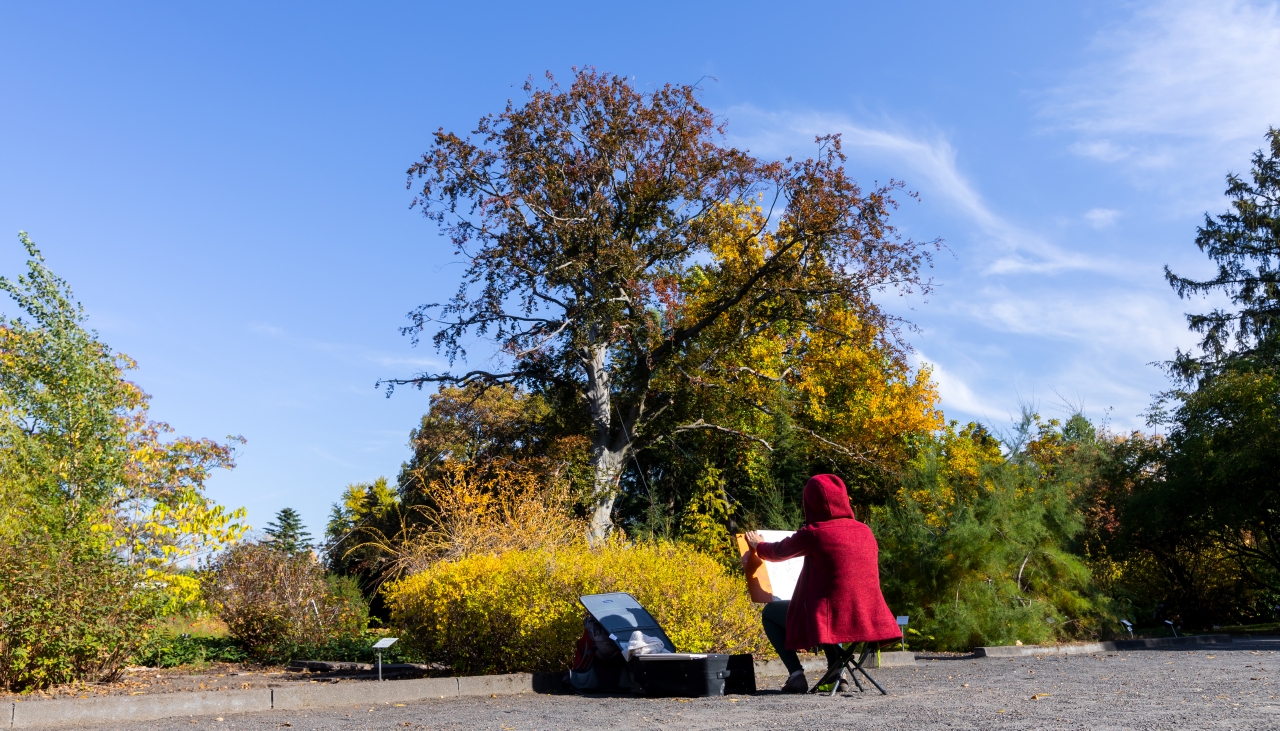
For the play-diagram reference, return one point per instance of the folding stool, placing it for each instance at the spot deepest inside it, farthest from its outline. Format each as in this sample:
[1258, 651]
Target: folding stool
[852, 659]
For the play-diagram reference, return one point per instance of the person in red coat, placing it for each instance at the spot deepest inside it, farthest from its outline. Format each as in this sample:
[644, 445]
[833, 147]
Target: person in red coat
[837, 597]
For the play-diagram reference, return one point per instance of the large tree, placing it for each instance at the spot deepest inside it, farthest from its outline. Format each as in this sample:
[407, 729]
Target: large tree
[1206, 507]
[1244, 243]
[582, 212]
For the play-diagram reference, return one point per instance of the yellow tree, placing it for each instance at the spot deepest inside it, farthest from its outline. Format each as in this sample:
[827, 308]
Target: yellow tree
[81, 459]
[159, 516]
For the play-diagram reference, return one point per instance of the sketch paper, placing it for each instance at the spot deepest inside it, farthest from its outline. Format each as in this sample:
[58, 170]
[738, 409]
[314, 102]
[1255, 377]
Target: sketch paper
[769, 581]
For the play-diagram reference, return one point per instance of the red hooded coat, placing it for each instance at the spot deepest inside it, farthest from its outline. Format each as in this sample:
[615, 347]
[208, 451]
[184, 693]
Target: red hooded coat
[837, 597]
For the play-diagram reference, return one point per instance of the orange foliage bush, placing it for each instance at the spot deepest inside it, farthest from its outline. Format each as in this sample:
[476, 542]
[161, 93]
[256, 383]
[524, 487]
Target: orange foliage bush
[467, 512]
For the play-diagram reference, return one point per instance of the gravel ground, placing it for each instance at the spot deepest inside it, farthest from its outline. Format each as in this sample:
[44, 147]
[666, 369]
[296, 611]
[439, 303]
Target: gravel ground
[1230, 686]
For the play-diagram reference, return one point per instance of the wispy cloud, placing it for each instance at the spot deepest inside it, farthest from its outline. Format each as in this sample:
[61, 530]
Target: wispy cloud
[1101, 218]
[344, 351]
[931, 161]
[1181, 82]
[955, 392]
[1142, 324]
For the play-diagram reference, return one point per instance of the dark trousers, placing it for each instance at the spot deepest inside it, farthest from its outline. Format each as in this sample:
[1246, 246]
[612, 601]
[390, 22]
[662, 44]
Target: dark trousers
[775, 628]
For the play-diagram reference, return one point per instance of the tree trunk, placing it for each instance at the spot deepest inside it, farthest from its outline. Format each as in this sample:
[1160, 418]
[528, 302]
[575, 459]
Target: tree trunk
[608, 467]
[608, 453]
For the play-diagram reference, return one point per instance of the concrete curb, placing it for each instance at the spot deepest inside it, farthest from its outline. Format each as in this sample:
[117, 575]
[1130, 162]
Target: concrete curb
[895, 659]
[1085, 648]
[81, 711]
[116, 709]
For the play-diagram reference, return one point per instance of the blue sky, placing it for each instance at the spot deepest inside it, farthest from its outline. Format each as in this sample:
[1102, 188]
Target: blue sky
[224, 186]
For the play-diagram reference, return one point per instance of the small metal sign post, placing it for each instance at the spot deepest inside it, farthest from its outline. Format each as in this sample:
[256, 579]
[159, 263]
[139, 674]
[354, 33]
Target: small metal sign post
[1129, 626]
[381, 645]
[902, 622]
[1172, 629]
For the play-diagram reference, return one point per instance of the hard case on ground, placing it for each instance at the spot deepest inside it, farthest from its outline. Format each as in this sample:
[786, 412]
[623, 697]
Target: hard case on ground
[680, 674]
[742, 675]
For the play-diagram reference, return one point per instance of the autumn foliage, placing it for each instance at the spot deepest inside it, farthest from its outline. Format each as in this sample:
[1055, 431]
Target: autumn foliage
[519, 611]
[615, 243]
[91, 490]
[274, 602]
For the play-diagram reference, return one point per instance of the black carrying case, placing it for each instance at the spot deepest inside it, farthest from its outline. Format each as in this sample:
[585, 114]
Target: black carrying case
[680, 674]
[693, 675]
[742, 675]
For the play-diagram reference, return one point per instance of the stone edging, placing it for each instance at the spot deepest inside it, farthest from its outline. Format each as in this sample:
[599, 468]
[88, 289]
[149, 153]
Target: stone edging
[113, 709]
[1084, 648]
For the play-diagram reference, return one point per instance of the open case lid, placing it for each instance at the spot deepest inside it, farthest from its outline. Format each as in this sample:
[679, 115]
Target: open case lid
[620, 614]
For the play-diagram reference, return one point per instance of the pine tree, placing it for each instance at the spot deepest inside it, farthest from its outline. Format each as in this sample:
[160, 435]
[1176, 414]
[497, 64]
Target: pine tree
[287, 533]
[1245, 244]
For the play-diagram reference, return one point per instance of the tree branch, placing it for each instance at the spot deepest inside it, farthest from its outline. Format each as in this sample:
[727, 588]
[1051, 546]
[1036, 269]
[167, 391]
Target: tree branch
[700, 424]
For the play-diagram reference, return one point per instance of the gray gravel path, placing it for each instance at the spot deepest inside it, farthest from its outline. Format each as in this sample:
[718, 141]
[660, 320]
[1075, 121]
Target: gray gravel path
[1229, 686]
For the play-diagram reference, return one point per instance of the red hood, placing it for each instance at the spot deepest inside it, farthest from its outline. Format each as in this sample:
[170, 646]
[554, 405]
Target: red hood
[825, 498]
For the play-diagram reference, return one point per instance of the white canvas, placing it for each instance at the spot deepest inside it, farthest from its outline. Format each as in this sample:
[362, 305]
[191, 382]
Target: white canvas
[782, 574]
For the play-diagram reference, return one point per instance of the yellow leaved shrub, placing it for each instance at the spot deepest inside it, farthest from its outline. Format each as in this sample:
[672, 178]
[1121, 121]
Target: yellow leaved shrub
[519, 611]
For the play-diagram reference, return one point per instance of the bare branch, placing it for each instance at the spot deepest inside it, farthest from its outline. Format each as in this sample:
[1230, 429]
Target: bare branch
[700, 424]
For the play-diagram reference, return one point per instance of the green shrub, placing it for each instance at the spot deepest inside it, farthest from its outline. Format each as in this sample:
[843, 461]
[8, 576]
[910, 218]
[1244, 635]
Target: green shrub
[171, 651]
[358, 648]
[519, 611]
[69, 611]
[274, 602]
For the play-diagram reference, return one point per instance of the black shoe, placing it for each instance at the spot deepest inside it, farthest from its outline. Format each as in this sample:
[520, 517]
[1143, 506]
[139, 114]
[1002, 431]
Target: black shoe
[796, 684]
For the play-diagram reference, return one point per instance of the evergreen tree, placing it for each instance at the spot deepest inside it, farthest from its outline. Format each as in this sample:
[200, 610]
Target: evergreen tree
[1245, 244]
[287, 533]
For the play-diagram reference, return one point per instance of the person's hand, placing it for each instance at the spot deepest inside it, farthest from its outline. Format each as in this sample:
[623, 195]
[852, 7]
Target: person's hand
[753, 539]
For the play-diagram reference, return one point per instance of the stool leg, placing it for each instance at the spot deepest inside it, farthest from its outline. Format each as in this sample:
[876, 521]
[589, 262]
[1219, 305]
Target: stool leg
[851, 662]
[836, 685]
[859, 663]
[854, 676]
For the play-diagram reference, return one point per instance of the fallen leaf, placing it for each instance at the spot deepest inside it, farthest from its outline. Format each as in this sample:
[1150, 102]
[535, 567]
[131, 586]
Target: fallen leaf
[1038, 696]
[399, 705]
[964, 685]
[999, 710]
